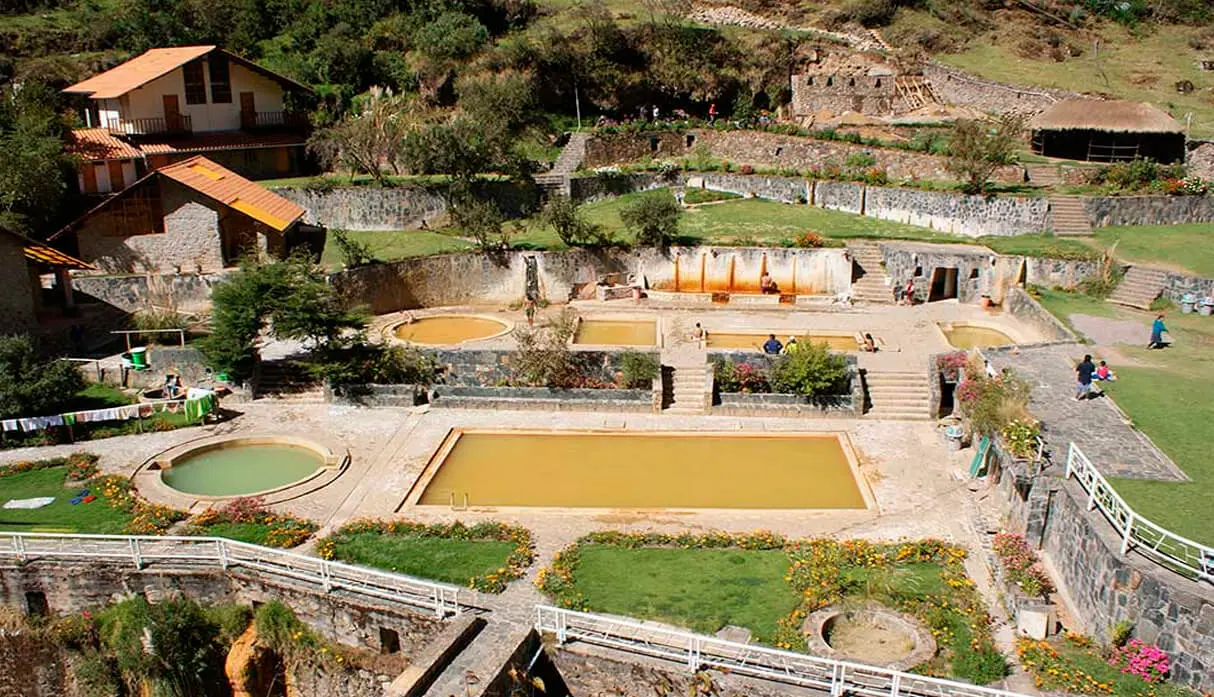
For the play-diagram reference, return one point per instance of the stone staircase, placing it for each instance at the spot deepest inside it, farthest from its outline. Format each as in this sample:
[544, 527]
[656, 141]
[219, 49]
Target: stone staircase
[880, 40]
[1140, 286]
[1044, 175]
[288, 381]
[898, 395]
[873, 285]
[1068, 217]
[685, 388]
[556, 180]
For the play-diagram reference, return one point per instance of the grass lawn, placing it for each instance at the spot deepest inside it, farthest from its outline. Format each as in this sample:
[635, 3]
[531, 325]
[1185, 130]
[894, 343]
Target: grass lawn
[1167, 396]
[441, 559]
[397, 244]
[1184, 247]
[253, 533]
[60, 516]
[734, 221]
[701, 589]
[99, 396]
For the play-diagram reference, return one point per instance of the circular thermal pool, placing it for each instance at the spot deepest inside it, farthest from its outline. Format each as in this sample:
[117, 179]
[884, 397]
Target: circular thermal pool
[442, 330]
[243, 466]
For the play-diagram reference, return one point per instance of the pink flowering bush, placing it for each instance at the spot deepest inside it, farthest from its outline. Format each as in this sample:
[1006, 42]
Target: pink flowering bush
[1022, 565]
[1146, 661]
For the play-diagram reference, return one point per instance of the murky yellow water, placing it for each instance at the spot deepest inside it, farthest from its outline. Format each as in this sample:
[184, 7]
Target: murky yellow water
[617, 332]
[449, 330]
[968, 336]
[632, 470]
[725, 340]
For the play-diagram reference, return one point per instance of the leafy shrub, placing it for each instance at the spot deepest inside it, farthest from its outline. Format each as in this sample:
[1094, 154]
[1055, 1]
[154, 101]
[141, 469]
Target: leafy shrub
[281, 530]
[740, 377]
[809, 240]
[1121, 632]
[859, 161]
[991, 403]
[653, 217]
[810, 370]
[1020, 435]
[354, 253]
[82, 466]
[746, 169]
[638, 370]
[148, 518]
[562, 214]
[31, 385]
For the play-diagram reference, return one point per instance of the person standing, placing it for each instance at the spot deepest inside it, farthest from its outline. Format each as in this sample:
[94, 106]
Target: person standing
[1083, 373]
[712, 113]
[772, 346]
[529, 310]
[1157, 330]
[908, 293]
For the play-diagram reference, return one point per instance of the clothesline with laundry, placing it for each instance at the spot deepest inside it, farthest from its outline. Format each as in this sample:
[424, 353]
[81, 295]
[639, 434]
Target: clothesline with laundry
[198, 403]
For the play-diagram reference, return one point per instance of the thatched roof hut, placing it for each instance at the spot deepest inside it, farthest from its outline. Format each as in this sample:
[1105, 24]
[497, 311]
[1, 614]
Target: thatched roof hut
[1106, 131]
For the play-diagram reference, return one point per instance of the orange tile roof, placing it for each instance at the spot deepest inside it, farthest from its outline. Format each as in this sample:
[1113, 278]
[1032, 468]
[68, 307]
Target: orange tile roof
[95, 144]
[220, 141]
[41, 253]
[234, 191]
[137, 72]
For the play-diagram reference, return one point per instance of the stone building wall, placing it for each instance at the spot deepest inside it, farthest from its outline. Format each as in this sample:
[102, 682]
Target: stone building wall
[18, 304]
[862, 93]
[614, 148]
[187, 290]
[189, 242]
[1148, 210]
[962, 89]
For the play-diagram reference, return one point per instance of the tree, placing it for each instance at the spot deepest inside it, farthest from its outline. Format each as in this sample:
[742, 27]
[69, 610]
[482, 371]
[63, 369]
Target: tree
[32, 163]
[653, 217]
[481, 219]
[980, 147]
[810, 370]
[366, 140]
[31, 386]
[562, 214]
[542, 357]
[354, 253]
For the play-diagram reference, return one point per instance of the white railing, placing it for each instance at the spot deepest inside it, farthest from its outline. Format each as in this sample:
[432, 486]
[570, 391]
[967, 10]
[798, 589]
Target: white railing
[696, 652]
[1138, 533]
[213, 552]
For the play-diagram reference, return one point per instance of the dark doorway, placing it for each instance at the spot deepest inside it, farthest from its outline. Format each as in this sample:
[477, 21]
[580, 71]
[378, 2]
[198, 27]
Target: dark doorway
[1023, 277]
[35, 604]
[389, 640]
[944, 284]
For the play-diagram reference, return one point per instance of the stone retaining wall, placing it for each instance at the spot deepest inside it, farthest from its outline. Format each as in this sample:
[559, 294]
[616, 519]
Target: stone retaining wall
[839, 196]
[1023, 307]
[956, 214]
[1148, 210]
[596, 187]
[1100, 585]
[399, 207]
[187, 290]
[962, 89]
[543, 399]
[492, 367]
[1177, 285]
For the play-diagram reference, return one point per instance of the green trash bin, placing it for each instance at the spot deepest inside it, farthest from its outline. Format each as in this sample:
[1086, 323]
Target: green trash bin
[139, 358]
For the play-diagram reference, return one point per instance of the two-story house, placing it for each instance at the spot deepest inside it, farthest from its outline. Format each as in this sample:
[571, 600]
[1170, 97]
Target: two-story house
[171, 104]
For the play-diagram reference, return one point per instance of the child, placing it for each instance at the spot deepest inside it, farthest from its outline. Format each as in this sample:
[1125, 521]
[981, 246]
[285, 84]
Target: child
[1103, 372]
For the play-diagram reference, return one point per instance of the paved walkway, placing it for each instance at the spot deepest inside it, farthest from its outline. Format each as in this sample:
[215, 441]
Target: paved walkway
[1096, 425]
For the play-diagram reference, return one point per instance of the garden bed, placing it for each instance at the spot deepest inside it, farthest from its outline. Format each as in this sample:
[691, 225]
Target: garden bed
[247, 520]
[485, 556]
[1076, 665]
[770, 585]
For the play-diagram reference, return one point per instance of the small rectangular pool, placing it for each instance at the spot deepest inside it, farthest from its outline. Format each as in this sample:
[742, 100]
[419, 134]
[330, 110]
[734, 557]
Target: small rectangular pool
[603, 332]
[640, 470]
[967, 336]
[754, 341]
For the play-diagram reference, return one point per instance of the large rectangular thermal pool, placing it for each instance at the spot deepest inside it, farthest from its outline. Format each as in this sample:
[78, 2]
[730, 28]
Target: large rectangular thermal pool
[640, 470]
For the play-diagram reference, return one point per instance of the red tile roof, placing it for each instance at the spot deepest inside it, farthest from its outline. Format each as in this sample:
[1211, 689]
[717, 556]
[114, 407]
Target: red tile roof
[137, 72]
[97, 144]
[234, 191]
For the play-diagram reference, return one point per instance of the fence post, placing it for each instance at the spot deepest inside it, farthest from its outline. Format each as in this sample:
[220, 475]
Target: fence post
[561, 632]
[223, 554]
[438, 602]
[135, 555]
[895, 684]
[19, 547]
[1129, 529]
[836, 680]
[693, 654]
[325, 579]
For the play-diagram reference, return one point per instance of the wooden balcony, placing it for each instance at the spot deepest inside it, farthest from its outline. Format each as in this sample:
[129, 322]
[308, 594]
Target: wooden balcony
[155, 126]
[273, 120]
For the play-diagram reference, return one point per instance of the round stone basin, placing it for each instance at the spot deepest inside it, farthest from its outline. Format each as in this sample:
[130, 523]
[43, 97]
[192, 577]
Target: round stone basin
[443, 330]
[242, 466]
[871, 634]
[967, 336]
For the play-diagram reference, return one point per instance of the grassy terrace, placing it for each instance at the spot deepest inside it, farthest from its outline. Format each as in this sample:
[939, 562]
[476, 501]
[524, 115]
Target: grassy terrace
[60, 516]
[736, 222]
[1167, 396]
[1183, 247]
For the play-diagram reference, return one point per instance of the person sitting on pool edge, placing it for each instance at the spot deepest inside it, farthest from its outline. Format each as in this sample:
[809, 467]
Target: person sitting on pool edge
[870, 344]
[772, 346]
[767, 284]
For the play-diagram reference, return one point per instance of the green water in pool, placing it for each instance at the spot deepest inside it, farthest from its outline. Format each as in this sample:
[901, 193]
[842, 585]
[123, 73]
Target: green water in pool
[241, 469]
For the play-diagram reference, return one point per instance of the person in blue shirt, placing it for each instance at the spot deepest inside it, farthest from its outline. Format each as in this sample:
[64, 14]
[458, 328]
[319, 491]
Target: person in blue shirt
[772, 346]
[1157, 330]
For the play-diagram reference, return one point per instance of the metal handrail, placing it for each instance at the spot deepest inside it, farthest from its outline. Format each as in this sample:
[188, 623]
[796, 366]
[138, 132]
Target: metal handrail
[697, 651]
[126, 334]
[1137, 532]
[215, 552]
